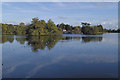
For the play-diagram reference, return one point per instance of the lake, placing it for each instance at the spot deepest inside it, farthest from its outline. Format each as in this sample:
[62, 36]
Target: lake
[66, 56]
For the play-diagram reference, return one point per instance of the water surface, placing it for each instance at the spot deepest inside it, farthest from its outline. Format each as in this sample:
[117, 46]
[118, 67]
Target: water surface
[66, 56]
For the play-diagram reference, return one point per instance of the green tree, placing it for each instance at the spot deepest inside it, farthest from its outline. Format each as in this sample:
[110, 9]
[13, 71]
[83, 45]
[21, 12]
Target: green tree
[21, 29]
[4, 28]
[52, 28]
[85, 24]
[10, 29]
[37, 27]
[62, 26]
[87, 30]
[100, 28]
[95, 30]
[76, 30]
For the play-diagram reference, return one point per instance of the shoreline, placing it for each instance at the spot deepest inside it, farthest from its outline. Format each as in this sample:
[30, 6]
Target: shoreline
[51, 34]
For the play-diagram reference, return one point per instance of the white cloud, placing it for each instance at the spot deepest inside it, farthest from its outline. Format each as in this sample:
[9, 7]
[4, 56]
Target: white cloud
[103, 22]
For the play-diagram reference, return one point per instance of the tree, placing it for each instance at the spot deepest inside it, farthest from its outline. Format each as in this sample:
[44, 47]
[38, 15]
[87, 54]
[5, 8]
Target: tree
[85, 24]
[22, 24]
[40, 27]
[37, 27]
[76, 30]
[4, 28]
[87, 30]
[100, 27]
[10, 29]
[62, 26]
[52, 28]
[95, 30]
[20, 29]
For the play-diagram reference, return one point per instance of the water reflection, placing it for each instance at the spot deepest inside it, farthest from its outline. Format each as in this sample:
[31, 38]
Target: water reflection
[91, 39]
[42, 42]
[71, 38]
[60, 56]
[7, 39]
[21, 40]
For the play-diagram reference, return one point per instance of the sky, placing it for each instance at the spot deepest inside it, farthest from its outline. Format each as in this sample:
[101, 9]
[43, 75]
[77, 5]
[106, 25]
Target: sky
[60, 0]
[73, 13]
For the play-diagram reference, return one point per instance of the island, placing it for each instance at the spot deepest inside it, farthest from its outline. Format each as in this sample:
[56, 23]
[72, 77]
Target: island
[42, 28]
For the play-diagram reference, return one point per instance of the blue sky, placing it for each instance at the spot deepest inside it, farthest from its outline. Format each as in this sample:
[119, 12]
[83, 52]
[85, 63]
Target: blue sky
[73, 13]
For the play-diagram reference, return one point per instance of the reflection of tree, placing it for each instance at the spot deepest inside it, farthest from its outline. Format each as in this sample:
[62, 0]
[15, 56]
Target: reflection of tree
[21, 40]
[7, 38]
[77, 38]
[40, 42]
[36, 42]
[70, 38]
[66, 38]
[89, 39]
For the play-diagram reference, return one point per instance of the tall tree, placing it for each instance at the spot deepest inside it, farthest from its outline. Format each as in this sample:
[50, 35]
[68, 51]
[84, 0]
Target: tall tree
[52, 28]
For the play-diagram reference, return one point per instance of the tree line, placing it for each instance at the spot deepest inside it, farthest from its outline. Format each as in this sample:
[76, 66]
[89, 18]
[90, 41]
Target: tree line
[37, 27]
[112, 30]
[40, 27]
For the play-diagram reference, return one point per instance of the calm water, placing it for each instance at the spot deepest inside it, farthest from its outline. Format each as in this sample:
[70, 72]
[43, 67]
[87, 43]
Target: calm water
[67, 56]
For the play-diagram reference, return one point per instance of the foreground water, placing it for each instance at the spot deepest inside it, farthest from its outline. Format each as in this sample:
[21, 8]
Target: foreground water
[67, 56]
